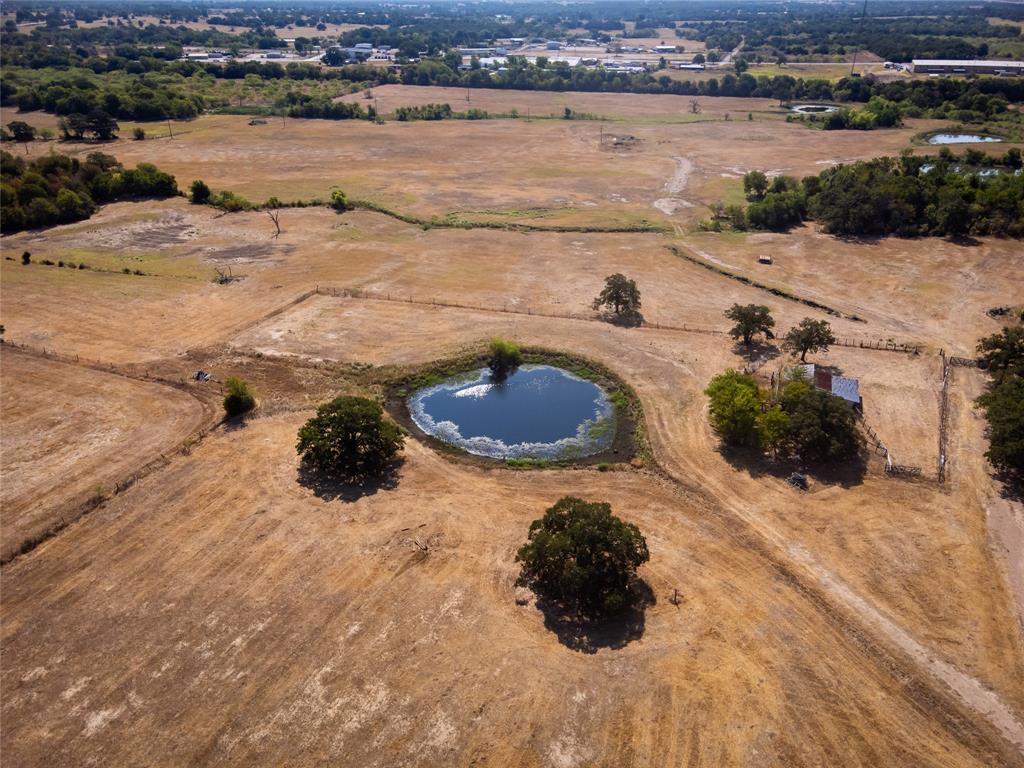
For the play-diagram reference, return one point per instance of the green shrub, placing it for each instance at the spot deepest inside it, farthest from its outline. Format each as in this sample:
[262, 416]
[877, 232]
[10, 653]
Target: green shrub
[339, 201]
[200, 192]
[735, 405]
[504, 358]
[239, 398]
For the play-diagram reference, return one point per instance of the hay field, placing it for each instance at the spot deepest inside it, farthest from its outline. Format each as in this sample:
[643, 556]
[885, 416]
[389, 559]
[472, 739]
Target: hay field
[219, 611]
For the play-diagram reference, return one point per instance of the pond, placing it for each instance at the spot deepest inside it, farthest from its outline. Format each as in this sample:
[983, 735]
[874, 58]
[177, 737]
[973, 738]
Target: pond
[538, 412]
[962, 138]
[813, 109]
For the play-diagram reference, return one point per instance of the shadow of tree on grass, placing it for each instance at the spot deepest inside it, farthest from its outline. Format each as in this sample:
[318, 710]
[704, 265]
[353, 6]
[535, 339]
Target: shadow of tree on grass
[331, 488]
[587, 634]
[756, 350]
[624, 320]
[845, 474]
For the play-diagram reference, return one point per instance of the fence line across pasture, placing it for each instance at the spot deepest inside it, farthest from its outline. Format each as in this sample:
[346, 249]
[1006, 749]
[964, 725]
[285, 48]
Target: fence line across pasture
[357, 293]
[128, 370]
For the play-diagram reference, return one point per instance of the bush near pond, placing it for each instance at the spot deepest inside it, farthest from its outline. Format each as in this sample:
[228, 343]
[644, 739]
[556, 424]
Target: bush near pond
[504, 357]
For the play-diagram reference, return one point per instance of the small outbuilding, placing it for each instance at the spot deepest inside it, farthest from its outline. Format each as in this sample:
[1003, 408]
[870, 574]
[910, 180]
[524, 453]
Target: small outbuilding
[822, 378]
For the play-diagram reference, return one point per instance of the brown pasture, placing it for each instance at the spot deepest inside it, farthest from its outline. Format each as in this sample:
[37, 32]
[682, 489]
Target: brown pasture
[219, 611]
[71, 433]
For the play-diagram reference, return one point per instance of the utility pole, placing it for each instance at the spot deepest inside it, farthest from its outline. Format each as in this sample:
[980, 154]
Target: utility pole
[863, 14]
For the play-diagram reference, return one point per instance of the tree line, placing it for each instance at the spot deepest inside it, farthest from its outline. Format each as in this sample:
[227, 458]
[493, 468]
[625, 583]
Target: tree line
[57, 189]
[1002, 355]
[908, 196]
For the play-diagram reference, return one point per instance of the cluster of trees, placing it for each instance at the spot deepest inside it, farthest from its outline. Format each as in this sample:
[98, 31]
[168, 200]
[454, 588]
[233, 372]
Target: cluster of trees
[907, 196]
[325, 109]
[775, 204]
[425, 112]
[1002, 354]
[879, 112]
[895, 33]
[57, 189]
[118, 46]
[99, 124]
[796, 421]
[138, 99]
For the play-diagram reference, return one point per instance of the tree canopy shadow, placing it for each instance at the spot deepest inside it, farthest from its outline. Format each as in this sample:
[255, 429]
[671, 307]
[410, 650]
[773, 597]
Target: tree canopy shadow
[965, 241]
[1012, 486]
[756, 350]
[348, 489]
[864, 239]
[846, 474]
[235, 423]
[588, 634]
[624, 320]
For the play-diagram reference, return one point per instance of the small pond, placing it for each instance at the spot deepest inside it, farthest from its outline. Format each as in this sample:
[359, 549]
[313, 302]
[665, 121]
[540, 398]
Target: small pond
[813, 109]
[962, 138]
[538, 412]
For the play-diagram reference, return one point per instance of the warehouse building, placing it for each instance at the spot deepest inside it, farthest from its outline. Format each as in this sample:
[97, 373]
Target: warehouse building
[967, 67]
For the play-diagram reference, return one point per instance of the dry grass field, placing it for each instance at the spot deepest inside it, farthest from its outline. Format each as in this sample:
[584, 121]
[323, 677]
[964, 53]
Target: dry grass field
[79, 423]
[219, 611]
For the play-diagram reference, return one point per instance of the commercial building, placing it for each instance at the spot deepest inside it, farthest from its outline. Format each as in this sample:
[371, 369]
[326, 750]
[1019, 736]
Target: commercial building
[967, 67]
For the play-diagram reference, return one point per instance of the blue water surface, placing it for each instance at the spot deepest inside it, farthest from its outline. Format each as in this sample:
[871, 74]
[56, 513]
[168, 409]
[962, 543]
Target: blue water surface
[539, 411]
[962, 138]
